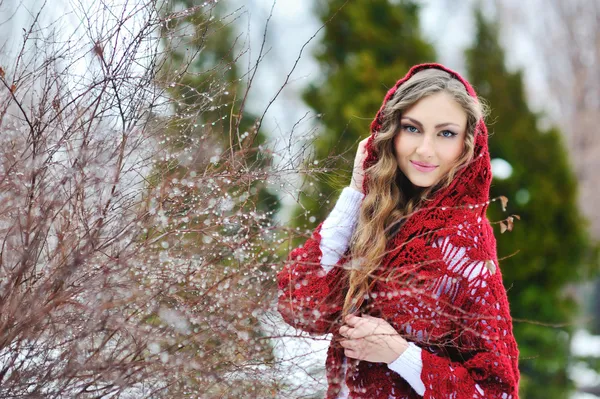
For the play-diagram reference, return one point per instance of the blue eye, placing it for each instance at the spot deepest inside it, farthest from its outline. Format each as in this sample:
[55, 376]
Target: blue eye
[410, 128]
[448, 134]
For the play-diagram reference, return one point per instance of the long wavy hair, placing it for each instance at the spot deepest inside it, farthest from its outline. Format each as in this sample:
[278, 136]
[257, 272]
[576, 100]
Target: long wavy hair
[391, 198]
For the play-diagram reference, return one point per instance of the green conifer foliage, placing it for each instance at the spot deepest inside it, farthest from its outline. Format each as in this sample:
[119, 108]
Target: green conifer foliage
[367, 46]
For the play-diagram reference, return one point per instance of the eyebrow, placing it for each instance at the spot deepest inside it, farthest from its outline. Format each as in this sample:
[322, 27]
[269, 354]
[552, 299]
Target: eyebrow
[416, 122]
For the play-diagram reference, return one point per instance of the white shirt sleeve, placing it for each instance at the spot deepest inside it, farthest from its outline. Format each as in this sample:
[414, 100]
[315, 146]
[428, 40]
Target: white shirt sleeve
[409, 366]
[339, 226]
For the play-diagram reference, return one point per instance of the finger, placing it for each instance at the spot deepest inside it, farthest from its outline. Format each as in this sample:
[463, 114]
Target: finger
[369, 317]
[345, 331]
[364, 144]
[363, 148]
[351, 354]
[347, 343]
[373, 322]
[352, 320]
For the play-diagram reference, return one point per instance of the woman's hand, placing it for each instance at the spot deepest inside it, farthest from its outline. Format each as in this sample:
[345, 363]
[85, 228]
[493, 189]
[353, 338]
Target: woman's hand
[358, 174]
[371, 339]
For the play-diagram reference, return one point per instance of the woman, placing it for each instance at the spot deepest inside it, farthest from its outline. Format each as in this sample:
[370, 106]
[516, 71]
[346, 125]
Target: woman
[416, 305]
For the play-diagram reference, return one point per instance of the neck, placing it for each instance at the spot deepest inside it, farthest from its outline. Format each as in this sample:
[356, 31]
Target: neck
[409, 190]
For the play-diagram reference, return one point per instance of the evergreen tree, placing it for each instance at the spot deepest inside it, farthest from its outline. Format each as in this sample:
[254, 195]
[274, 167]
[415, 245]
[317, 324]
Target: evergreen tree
[550, 243]
[366, 48]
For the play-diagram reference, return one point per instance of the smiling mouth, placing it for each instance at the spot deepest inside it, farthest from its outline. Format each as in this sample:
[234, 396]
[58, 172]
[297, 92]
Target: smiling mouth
[423, 168]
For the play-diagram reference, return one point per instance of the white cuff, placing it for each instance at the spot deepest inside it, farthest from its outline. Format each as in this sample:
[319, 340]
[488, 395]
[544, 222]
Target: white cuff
[409, 366]
[337, 229]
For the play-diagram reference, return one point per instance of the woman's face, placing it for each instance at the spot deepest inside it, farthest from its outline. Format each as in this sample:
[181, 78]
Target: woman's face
[431, 138]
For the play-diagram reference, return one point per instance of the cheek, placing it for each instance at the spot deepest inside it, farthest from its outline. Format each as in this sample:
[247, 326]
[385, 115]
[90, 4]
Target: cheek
[453, 151]
[402, 145]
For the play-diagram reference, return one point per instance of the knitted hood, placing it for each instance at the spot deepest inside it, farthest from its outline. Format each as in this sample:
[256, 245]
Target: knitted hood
[472, 182]
[467, 197]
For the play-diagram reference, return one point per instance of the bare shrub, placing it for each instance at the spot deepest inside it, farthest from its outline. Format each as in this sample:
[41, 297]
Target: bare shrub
[133, 262]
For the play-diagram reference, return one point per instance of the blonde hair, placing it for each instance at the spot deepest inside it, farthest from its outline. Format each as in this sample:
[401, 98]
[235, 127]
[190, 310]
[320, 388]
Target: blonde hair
[390, 199]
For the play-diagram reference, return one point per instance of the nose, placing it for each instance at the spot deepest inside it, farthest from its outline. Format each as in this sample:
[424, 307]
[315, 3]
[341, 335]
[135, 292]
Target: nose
[425, 147]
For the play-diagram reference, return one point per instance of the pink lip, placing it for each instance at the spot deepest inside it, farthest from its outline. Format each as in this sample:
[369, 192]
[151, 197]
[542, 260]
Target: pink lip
[423, 167]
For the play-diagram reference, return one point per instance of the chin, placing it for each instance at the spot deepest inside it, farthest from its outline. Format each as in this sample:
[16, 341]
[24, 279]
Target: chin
[425, 183]
[421, 184]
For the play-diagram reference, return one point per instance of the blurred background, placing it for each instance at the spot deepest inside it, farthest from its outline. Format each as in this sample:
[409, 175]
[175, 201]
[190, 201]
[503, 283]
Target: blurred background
[536, 65]
[318, 71]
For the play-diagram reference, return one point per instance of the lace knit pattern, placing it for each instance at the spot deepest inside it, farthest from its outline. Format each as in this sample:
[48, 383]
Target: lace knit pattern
[439, 286]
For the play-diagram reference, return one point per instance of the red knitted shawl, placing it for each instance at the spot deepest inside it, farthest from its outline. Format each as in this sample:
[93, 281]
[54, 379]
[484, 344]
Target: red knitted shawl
[439, 286]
